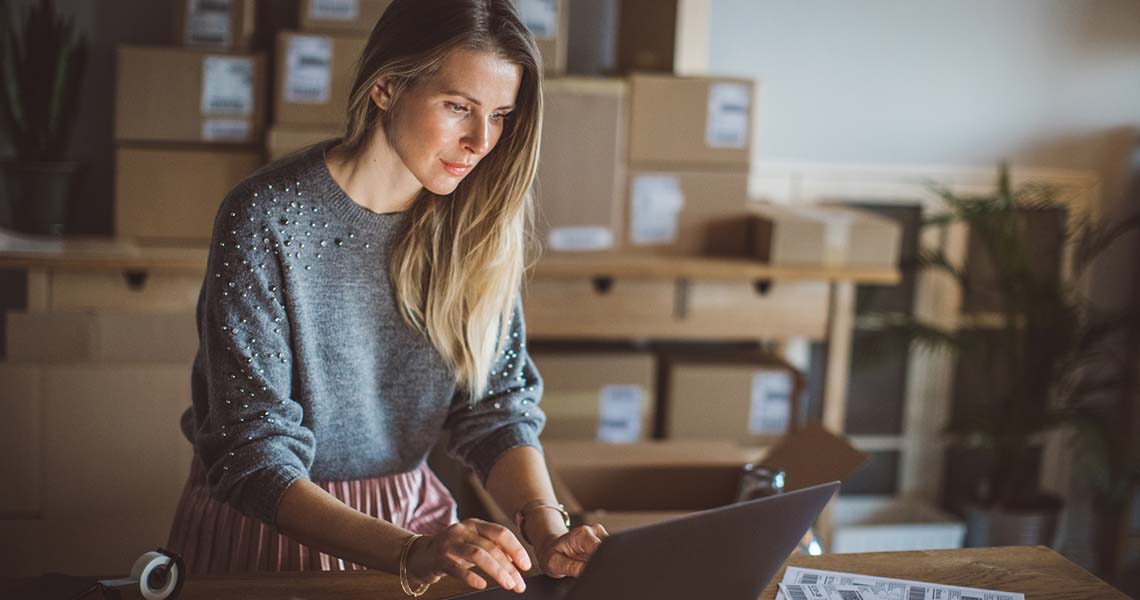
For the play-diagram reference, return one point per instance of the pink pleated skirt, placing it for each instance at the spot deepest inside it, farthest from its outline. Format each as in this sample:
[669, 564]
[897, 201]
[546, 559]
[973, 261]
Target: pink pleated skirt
[213, 538]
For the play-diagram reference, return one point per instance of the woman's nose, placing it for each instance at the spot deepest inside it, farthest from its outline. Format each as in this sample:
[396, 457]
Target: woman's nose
[478, 139]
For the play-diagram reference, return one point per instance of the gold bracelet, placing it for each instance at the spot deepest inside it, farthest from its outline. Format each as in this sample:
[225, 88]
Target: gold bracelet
[520, 516]
[404, 583]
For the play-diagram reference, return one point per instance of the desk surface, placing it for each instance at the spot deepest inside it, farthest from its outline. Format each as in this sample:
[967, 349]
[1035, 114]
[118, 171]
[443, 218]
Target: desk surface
[1037, 572]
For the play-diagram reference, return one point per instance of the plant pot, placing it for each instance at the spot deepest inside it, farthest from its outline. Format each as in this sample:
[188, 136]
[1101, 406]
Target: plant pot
[1109, 523]
[997, 526]
[38, 193]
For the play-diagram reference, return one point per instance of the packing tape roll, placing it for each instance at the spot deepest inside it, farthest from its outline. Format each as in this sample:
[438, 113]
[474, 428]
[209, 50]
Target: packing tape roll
[157, 575]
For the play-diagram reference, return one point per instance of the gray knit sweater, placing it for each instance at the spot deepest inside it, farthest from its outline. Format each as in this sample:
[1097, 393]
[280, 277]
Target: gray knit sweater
[305, 366]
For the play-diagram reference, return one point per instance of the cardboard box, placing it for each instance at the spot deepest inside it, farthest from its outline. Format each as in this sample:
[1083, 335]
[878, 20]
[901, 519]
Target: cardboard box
[673, 212]
[873, 524]
[185, 95]
[110, 544]
[111, 438]
[216, 24]
[181, 203]
[21, 439]
[830, 235]
[347, 17]
[693, 123]
[585, 131]
[621, 489]
[749, 398]
[99, 290]
[646, 37]
[622, 486]
[101, 337]
[548, 21]
[606, 396]
[601, 308]
[314, 78]
[287, 139]
[744, 310]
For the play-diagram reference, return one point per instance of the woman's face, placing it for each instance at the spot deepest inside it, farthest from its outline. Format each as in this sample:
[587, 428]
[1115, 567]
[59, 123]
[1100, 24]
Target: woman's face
[448, 123]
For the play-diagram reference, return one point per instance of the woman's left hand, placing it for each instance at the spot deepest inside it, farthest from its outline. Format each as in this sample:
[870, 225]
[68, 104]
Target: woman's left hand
[567, 554]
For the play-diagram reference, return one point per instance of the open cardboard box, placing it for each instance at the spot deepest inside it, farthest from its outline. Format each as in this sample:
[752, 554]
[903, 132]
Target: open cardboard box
[628, 485]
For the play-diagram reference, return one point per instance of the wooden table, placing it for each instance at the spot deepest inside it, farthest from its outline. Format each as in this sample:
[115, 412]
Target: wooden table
[1037, 572]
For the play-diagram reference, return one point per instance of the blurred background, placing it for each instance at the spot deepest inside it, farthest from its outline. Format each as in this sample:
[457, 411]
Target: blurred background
[885, 242]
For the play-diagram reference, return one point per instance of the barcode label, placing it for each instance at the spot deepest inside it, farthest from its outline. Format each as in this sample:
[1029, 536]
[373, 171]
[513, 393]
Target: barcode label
[726, 125]
[226, 130]
[771, 401]
[227, 86]
[916, 593]
[805, 591]
[580, 238]
[656, 202]
[619, 413]
[308, 72]
[207, 23]
[334, 10]
[540, 17]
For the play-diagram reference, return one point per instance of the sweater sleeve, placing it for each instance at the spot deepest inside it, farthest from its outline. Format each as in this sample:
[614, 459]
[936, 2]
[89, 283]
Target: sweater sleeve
[254, 439]
[508, 415]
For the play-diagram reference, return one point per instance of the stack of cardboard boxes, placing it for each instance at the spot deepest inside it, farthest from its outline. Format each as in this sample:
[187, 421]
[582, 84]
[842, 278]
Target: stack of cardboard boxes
[666, 158]
[748, 397]
[316, 67]
[592, 394]
[188, 122]
[642, 164]
[315, 70]
[690, 140]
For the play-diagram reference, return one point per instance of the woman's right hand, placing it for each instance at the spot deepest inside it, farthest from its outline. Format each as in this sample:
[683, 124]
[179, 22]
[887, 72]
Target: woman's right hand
[466, 544]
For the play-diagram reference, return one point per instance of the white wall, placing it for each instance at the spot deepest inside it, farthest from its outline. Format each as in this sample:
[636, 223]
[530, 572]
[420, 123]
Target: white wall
[1053, 83]
[918, 83]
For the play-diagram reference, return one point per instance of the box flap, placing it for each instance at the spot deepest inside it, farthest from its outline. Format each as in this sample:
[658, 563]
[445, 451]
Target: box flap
[562, 454]
[812, 456]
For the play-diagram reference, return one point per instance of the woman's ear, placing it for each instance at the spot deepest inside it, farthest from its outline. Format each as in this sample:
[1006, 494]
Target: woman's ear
[381, 94]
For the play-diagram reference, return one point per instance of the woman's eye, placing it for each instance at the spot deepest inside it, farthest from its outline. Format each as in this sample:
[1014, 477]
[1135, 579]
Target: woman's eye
[501, 116]
[456, 108]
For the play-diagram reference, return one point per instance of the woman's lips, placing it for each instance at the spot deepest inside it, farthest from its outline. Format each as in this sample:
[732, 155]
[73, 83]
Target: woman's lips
[457, 169]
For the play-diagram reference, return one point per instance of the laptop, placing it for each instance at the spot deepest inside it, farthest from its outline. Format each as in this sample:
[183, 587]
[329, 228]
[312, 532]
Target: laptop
[727, 553]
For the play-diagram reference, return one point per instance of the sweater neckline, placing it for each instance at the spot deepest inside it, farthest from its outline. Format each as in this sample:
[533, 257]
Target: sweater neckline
[339, 202]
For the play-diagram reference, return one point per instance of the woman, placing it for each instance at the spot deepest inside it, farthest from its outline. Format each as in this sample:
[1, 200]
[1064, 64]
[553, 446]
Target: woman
[361, 297]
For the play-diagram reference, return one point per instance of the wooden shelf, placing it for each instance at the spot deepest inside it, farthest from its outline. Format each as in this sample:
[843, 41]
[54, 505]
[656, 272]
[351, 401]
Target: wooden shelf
[725, 269]
[108, 254]
[19, 251]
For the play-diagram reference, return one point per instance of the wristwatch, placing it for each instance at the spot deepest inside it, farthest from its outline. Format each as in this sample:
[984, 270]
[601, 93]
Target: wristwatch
[520, 516]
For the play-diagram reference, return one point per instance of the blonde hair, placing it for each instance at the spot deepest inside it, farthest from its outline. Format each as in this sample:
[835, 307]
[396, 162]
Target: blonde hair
[458, 267]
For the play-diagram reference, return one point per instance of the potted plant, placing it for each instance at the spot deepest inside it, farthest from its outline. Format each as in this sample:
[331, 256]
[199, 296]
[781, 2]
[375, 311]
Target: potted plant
[41, 67]
[1046, 353]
